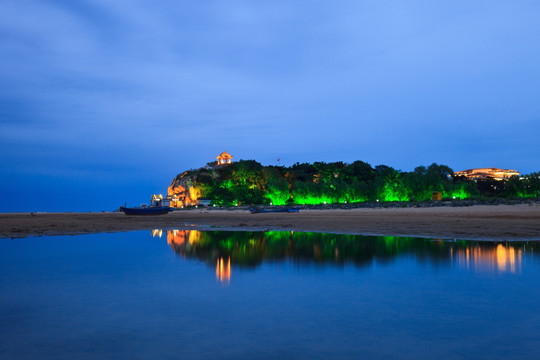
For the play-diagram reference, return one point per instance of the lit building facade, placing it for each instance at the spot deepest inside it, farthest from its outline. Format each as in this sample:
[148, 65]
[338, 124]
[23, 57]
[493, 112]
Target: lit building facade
[484, 173]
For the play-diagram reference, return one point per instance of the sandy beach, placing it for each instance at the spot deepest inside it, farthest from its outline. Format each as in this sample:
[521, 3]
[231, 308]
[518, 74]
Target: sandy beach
[482, 222]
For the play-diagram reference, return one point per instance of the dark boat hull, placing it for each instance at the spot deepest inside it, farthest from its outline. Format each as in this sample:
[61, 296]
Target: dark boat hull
[153, 210]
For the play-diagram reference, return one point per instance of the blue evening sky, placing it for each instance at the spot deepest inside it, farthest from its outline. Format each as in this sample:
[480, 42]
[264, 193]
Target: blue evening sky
[104, 102]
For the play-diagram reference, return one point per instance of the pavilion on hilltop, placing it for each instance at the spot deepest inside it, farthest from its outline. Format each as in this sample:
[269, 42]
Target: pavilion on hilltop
[224, 158]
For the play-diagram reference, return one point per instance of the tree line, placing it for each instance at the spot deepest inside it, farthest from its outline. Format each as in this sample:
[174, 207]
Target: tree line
[249, 182]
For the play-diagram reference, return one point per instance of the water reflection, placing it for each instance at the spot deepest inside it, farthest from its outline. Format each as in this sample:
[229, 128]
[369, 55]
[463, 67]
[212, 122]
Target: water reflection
[179, 237]
[493, 258]
[223, 272]
[249, 249]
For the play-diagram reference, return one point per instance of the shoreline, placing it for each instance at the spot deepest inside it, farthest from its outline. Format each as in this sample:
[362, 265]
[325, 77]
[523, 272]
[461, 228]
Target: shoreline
[477, 222]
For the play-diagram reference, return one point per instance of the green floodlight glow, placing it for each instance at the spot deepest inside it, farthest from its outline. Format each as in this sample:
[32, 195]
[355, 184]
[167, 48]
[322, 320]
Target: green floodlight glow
[319, 195]
[308, 199]
[459, 193]
[277, 198]
[392, 192]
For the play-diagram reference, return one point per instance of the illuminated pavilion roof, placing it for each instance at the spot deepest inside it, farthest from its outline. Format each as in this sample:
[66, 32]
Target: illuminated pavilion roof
[224, 158]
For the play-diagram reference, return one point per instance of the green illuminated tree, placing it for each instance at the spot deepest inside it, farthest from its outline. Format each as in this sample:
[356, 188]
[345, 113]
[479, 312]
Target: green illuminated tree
[222, 195]
[277, 187]
[389, 184]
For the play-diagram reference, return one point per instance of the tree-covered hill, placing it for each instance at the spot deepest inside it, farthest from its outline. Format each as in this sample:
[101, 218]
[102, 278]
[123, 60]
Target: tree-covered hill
[249, 182]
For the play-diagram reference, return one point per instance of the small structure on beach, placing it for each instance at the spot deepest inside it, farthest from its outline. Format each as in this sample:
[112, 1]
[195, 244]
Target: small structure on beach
[205, 202]
[224, 158]
[157, 199]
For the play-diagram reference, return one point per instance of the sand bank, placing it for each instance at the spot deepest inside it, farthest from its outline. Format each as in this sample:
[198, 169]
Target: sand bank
[500, 222]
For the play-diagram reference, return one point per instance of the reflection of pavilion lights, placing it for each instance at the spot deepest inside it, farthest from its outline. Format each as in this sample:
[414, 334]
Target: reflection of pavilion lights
[223, 272]
[179, 237]
[157, 232]
[501, 259]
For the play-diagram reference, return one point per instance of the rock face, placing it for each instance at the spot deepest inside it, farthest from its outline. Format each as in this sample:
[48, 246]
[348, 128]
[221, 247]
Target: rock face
[181, 192]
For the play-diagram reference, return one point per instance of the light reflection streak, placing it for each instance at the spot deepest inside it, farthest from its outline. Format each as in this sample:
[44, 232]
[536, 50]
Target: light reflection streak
[178, 237]
[501, 259]
[223, 272]
[185, 239]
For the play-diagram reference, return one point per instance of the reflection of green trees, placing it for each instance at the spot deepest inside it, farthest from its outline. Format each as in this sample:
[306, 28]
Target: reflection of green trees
[252, 248]
[248, 182]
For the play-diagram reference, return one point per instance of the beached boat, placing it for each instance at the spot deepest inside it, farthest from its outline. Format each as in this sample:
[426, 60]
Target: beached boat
[146, 210]
[279, 210]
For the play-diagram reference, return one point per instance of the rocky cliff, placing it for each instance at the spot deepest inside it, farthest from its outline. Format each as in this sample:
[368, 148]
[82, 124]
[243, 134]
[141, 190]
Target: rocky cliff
[182, 192]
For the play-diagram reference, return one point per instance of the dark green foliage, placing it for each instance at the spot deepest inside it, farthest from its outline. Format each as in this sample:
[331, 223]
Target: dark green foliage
[526, 187]
[358, 171]
[205, 183]
[491, 187]
[222, 196]
[303, 172]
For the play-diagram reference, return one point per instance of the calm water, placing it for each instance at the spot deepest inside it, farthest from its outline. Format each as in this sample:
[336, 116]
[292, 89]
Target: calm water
[230, 295]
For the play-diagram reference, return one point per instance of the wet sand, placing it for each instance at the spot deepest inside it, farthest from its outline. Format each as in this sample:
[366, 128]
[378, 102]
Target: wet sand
[482, 222]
